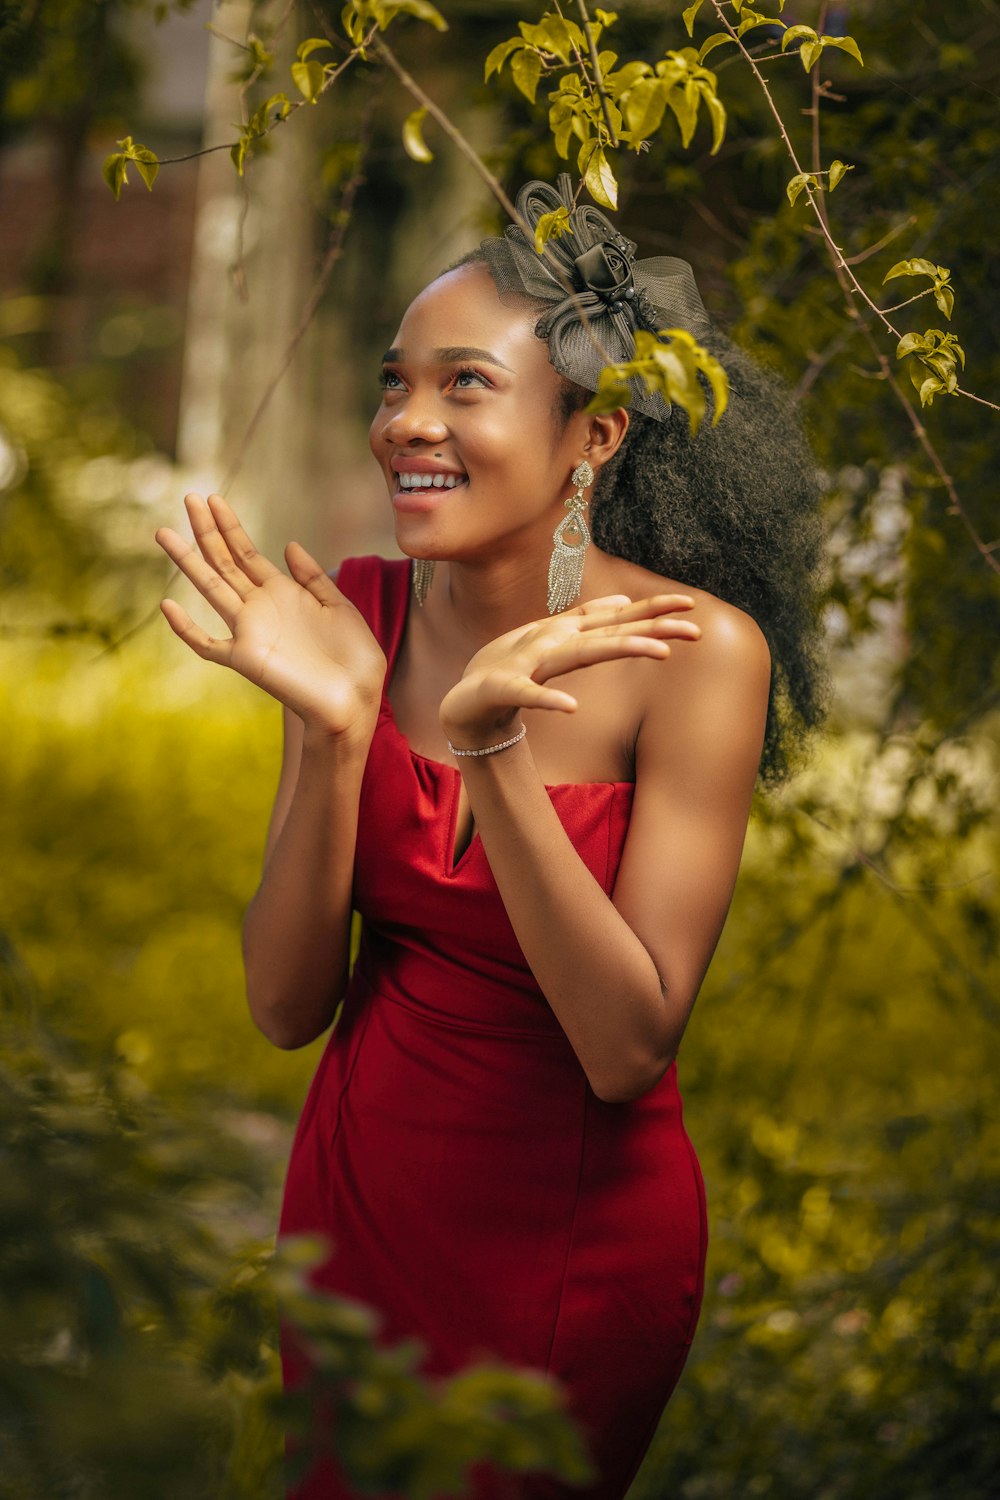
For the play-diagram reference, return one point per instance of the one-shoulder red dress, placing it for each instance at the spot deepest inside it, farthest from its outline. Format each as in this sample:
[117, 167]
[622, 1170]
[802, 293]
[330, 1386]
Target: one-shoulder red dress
[474, 1188]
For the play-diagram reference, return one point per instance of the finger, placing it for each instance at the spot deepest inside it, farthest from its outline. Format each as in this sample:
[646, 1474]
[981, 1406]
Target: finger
[306, 570]
[588, 650]
[255, 565]
[223, 598]
[201, 643]
[662, 626]
[638, 609]
[212, 545]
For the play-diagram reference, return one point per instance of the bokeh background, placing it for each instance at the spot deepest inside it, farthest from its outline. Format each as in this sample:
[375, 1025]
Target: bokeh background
[839, 1071]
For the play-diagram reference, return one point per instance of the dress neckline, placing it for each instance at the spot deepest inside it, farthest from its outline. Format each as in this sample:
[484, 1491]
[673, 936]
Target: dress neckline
[396, 632]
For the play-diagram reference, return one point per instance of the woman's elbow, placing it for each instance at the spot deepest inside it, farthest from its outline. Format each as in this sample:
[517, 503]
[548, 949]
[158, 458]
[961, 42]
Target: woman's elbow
[625, 1085]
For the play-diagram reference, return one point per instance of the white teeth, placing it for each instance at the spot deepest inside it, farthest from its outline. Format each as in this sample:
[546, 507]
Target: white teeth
[429, 481]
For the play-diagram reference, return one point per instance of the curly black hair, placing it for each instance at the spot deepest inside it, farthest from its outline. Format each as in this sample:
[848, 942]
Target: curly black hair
[734, 511]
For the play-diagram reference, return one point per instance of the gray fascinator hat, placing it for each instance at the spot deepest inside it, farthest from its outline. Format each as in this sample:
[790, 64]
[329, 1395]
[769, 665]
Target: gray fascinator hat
[600, 294]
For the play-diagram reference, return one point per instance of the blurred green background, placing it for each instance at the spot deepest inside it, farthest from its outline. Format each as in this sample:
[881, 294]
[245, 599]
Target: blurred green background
[839, 1072]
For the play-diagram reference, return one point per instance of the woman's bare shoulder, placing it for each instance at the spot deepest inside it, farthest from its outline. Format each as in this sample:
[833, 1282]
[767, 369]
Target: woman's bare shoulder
[728, 633]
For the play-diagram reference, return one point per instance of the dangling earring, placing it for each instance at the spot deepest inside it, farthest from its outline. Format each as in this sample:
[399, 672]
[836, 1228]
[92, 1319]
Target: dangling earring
[423, 577]
[566, 562]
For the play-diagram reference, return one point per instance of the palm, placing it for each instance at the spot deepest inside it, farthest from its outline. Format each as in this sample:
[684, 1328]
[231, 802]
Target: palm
[296, 637]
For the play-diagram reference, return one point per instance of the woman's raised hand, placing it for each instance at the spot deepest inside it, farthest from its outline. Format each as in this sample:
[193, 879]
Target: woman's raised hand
[296, 637]
[512, 672]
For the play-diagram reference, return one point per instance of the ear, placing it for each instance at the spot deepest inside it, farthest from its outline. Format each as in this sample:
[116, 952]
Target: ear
[601, 436]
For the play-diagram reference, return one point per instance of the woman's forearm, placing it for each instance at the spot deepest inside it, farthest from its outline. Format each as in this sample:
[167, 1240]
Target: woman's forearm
[296, 932]
[595, 973]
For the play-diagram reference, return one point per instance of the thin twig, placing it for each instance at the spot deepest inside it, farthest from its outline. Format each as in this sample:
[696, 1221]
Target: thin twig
[588, 32]
[381, 49]
[887, 239]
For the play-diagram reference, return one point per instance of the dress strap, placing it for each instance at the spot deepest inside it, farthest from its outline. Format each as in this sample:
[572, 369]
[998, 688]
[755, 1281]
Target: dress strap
[380, 589]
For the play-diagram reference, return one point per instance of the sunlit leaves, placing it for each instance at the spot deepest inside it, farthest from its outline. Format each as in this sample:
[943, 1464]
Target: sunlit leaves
[838, 170]
[673, 364]
[259, 124]
[944, 294]
[309, 77]
[115, 169]
[678, 83]
[933, 357]
[359, 16]
[813, 180]
[602, 185]
[811, 45]
[800, 181]
[550, 227]
[608, 107]
[413, 137]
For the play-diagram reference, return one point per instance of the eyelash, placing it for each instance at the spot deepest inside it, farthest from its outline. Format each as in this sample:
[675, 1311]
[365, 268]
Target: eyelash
[385, 376]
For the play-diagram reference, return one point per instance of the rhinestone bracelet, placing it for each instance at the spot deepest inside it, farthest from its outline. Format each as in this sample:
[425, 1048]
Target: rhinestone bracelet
[492, 749]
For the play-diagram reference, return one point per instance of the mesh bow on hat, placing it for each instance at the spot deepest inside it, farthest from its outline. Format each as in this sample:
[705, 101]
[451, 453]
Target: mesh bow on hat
[613, 293]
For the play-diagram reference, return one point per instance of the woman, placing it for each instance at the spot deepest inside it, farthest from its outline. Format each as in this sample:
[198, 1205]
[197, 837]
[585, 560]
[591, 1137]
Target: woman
[532, 776]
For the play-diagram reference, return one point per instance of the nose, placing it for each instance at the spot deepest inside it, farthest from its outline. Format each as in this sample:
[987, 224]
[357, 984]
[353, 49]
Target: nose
[417, 419]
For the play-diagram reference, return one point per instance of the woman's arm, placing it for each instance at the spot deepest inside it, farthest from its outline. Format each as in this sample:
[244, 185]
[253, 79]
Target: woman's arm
[299, 639]
[296, 931]
[622, 974]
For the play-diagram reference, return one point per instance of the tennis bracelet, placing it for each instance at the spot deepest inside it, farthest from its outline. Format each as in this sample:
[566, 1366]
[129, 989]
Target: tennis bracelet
[492, 749]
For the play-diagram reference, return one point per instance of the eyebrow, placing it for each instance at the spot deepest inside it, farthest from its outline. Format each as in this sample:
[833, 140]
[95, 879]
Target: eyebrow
[395, 356]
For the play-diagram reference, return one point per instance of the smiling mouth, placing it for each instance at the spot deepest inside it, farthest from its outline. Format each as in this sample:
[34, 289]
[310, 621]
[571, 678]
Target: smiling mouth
[430, 481]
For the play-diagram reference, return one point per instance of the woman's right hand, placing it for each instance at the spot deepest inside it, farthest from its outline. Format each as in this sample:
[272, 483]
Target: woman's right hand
[296, 637]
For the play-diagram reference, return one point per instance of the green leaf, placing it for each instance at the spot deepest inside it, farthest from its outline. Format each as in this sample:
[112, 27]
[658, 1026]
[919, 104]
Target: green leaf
[798, 183]
[147, 165]
[238, 153]
[810, 53]
[685, 113]
[313, 44]
[600, 180]
[114, 172]
[710, 43]
[526, 69]
[846, 44]
[944, 296]
[413, 137]
[753, 18]
[910, 343]
[609, 17]
[689, 16]
[496, 59]
[797, 34]
[608, 398]
[386, 11]
[308, 78]
[554, 34]
[550, 227]
[838, 170]
[626, 78]
[916, 267]
[644, 106]
[930, 388]
[717, 111]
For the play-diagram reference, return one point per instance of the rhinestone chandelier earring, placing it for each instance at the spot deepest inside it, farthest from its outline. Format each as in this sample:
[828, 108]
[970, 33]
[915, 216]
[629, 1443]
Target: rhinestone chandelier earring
[570, 541]
[423, 577]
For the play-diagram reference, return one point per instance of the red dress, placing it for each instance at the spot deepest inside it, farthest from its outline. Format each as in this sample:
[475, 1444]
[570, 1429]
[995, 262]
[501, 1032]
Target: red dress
[475, 1189]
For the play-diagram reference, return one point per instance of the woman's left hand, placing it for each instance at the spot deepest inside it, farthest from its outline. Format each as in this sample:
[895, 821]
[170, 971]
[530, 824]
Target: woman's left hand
[512, 672]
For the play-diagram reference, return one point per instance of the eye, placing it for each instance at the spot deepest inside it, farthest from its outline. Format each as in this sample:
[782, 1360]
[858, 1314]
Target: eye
[469, 380]
[389, 380]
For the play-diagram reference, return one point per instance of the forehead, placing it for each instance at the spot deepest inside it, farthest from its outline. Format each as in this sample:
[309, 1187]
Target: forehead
[463, 309]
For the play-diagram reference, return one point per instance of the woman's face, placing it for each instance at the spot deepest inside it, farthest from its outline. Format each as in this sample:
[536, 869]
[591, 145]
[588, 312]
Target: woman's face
[476, 454]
